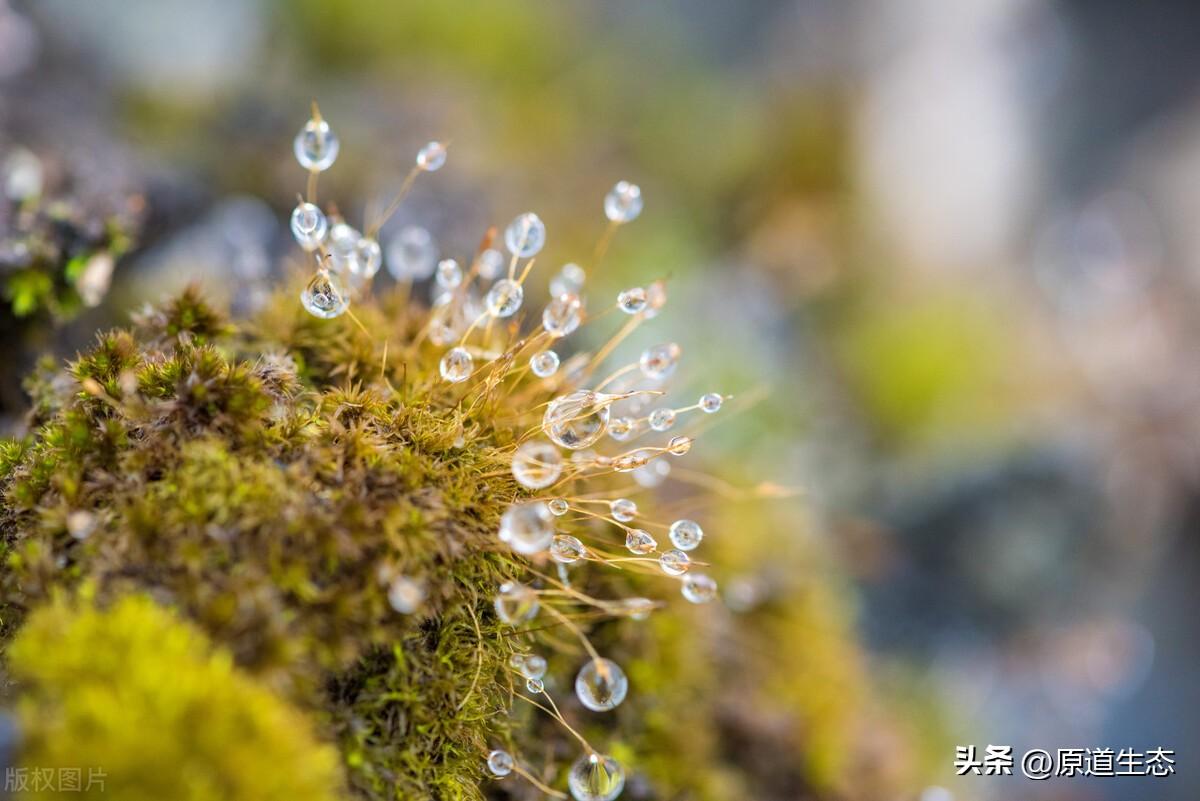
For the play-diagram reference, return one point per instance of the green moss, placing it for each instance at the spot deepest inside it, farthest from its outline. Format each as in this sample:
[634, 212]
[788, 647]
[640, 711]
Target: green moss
[265, 481]
[144, 707]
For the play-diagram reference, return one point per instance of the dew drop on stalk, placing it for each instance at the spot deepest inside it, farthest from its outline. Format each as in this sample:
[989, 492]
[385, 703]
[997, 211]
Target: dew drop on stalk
[309, 226]
[662, 419]
[711, 402]
[623, 203]
[576, 420]
[412, 254]
[316, 146]
[570, 280]
[632, 301]
[680, 446]
[533, 666]
[623, 510]
[449, 274]
[343, 247]
[456, 366]
[325, 296]
[525, 235]
[640, 542]
[562, 315]
[659, 362]
[500, 763]
[368, 257]
[622, 428]
[595, 777]
[504, 298]
[431, 157]
[544, 363]
[566, 549]
[674, 562]
[698, 588]
[601, 684]
[516, 603]
[535, 686]
[528, 527]
[537, 465]
[558, 507]
[686, 534]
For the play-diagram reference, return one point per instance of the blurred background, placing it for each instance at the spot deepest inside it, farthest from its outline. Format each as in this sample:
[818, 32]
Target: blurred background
[953, 245]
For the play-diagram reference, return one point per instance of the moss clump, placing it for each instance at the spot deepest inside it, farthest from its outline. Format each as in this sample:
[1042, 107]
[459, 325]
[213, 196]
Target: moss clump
[144, 707]
[269, 481]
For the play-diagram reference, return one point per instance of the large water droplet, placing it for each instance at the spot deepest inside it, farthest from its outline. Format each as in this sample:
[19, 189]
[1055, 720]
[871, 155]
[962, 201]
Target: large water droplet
[623, 203]
[516, 603]
[699, 588]
[456, 365]
[639, 542]
[567, 549]
[316, 146]
[525, 235]
[576, 420]
[528, 528]
[412, 254]
[562, 315]
[325, 296]
[500, 763]
[309, 226]
[659, 362]
[537, 465]
[601, 685]
[504, 298]
[595, 777]
[686, 534]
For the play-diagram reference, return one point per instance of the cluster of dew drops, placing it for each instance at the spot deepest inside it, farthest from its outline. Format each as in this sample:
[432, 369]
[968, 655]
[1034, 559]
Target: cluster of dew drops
[575, 419]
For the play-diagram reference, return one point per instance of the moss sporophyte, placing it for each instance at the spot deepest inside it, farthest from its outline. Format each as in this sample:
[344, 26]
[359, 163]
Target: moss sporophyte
[353, 525]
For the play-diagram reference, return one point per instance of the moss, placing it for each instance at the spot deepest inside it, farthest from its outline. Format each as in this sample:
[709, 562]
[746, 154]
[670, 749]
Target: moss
[143, 707]
[266, 480]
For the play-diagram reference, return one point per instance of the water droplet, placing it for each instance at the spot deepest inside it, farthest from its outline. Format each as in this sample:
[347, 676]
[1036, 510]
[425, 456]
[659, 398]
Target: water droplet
[528, 528]
[601, 685]
[622, 428]
[343, 247]
[517, 661]
[640, 542]
[674, 562]
[569, 281]
[679, 446]
[558, 507]
[316, 146]
[662, 419]
[623, 203]
[628, 462]
[504, 298]
[653, 473]
[595, 777]
[698, 588]
[516, 603]
[369, 257]
[491, 264]
[431, 157]
[537, 465]
[686, 534]
[405, 594]
[567, 549]
[638, 608]
[449, 274]
[533, 666]
[325, 296]
[659, 362]
[623, 510]
[309, 226]
[711, 402]
[535, 686]
[544, 363]
[525, 235]
[656, 298]
[562, 315]
[81, 523]
[632, 301]
[456, 365]
[576, 420]
[412, 254]
[500, 763]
